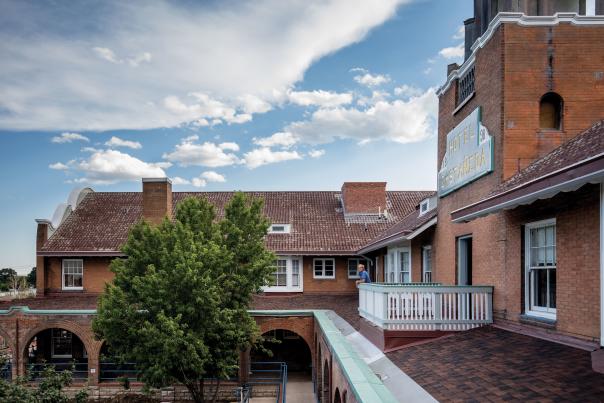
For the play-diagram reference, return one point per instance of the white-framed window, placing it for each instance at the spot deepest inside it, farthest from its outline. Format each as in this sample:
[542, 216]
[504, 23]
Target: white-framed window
[427, 264]
[397, 264]
[61, 343]
[287, 275]
[353, 266]
[279, 229]
[73, 274]
[540, 268]
[324, 268]
[424, 206]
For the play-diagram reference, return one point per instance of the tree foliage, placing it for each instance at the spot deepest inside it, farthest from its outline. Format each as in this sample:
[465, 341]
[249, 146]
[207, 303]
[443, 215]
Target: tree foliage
[31, 277]
[7, 278]
[178, 303]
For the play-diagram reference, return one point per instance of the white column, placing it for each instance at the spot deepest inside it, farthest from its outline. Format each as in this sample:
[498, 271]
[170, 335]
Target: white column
[602, 264]
[590, 7]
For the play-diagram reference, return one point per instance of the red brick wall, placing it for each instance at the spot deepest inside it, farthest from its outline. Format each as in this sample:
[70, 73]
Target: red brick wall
[417, 261]
[364, 197]
[157, 200]
[96, 274]
[341, 284]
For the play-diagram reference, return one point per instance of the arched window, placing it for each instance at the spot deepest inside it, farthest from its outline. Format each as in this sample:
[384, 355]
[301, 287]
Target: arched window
[550, 111]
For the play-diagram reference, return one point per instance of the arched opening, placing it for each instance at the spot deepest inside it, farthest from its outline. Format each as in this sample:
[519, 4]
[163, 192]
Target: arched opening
[326, 384]
[550, 111]
[318, 373]
[344, 396]
[59, 348]
[336, 398]
[291, 349]
[113, 369]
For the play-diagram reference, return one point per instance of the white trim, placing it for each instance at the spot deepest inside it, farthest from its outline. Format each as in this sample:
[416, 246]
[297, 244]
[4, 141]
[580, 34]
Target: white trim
[286, 229]
[394, 264]
[324, 277]
[547, 313]
[602, 264]
[423, 203]
[63, 286]
[570, 185]
[457, 251]
[289, 287]
[421, 229]
[424, 249]
[523, 20]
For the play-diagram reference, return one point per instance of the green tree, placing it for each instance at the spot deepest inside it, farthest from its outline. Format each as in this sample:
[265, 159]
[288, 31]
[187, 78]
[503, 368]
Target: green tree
[7, 277]
[31, 277]
[178, 303]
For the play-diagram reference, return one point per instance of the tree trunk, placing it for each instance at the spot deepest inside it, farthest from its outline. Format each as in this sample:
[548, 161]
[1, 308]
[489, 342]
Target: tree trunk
[216, 391]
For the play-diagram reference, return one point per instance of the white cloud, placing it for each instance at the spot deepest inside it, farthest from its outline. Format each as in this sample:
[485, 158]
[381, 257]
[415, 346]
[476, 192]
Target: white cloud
[118, 142]
[212, 176]
[59, 166]
[230, 146]
[177, 180]
[208, 154]
[205, 107]
[316, 153]
[69, 138]
[460, 33]
[199, 182]
[319, 98]
[283, 139]
[106, 54]
[264, 155]
[453, 52]
[219, 50]
[407, 91]
[111, 166]
[400, 120]
[372, 80]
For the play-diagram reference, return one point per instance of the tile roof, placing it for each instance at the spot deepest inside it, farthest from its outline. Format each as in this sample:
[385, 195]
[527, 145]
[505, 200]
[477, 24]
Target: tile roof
[406, 226]
[101, 221]
[588, 144]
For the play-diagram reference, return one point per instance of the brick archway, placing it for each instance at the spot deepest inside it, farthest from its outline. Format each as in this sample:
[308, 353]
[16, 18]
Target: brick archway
[10, 342]
[279, 323]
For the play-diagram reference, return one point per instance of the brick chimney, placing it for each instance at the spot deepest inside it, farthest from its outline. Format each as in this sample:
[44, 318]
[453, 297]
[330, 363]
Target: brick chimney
[43, 232]
[157, 199]
[364, 197]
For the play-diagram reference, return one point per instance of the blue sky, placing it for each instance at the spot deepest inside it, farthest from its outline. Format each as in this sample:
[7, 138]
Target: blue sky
[265, 95]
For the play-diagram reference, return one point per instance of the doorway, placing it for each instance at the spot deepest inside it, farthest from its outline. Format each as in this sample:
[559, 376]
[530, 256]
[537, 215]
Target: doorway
[464, 260]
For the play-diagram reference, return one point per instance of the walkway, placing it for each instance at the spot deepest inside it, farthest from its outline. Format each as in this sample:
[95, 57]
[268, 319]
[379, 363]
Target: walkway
[495, 365]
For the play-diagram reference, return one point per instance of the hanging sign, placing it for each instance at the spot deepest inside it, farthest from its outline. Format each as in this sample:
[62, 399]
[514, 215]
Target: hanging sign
[469, 154]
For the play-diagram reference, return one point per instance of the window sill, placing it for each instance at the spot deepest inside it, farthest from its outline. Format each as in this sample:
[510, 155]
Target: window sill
[539, 321]
[74, 290]
[463, 103]
[324, 278]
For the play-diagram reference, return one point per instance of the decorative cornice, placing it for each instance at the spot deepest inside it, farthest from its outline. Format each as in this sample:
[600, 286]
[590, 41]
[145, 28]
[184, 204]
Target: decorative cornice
[523, 20]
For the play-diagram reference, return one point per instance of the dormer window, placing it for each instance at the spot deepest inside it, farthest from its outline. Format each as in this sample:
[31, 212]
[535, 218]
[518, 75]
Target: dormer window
[279, 229]
[424, 207]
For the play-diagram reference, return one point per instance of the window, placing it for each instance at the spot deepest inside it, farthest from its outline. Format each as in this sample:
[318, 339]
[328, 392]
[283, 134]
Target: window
[427, 264]
[540, 258]
[405, 267]
[424, 207]
[61, 343]
[287, 275]
[73, 274]
[295, 273]
[280, 273]
[550, 111]
[353, 265]
[279, 229]
[324, 268]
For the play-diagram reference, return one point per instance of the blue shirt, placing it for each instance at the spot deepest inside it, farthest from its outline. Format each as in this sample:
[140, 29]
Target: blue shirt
[364, 276]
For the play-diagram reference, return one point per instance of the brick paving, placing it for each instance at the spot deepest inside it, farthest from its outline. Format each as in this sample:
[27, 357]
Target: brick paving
[495, 365]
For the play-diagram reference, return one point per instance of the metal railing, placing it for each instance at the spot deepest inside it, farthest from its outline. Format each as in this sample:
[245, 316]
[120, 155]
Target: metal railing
[270, 373]
[113, 371]
[79, 370]
[426, 306]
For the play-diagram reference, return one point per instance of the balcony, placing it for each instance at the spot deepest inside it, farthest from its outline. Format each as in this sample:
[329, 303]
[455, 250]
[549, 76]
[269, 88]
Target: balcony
[425, 306]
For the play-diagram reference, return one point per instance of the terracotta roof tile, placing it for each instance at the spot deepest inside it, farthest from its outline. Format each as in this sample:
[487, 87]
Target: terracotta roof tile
[101, 221]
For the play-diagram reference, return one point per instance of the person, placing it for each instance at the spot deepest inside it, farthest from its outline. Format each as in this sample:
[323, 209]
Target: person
[363, 275]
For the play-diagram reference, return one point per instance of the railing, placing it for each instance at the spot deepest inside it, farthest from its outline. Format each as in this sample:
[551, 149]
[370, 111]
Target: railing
[270, 373]
[465, 86]
[419, 306]
[112, 371]
[79, 370]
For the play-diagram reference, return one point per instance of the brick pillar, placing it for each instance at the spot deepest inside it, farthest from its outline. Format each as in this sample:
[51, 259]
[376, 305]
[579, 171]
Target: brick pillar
[94, 363]
[244, 366]
[157, 199]
[42, 234]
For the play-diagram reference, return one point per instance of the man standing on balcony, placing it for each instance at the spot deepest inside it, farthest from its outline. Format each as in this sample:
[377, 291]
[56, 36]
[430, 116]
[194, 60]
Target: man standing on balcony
[363, 275]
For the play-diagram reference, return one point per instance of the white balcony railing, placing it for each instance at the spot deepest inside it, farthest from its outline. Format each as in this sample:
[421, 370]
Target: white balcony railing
[420, 306]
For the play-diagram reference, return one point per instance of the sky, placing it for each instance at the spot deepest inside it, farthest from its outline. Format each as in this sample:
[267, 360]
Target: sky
[216, 95]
